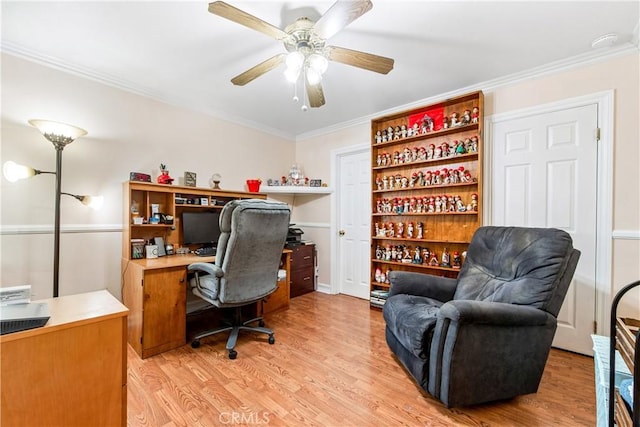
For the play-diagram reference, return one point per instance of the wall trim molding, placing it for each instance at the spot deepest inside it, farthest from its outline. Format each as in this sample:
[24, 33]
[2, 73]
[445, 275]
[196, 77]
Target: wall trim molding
[626, 234]
[21, 229]
[566, 64]
[313, 224]
[592, 57]
[324, 288]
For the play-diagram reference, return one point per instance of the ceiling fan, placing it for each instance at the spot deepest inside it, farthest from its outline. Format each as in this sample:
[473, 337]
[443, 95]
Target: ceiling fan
[305, 42]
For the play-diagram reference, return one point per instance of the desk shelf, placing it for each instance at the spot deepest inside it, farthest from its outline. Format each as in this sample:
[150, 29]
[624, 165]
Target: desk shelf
[292, 189]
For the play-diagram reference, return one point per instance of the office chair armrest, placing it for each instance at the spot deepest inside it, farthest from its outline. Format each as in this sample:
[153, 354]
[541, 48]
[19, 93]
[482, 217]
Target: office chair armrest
[212, 269]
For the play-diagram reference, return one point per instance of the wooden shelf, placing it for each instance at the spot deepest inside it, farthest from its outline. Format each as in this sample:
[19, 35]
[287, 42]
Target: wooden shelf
[292, 189]
[442, 160]
[443, 230]
[410, 264]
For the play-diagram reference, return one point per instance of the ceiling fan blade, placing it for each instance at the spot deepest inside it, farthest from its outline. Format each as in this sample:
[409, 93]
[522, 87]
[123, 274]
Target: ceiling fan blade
[255, 72]
[315, 95]
[355, 58]
[339, 15]
[231, 13]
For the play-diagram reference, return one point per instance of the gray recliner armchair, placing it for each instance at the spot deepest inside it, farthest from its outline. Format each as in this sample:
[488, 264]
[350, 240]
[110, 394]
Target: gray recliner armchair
[252, 235]
[486, 335]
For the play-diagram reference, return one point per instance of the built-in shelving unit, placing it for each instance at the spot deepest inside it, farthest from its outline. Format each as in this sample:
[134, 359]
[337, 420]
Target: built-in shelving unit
[419, 158]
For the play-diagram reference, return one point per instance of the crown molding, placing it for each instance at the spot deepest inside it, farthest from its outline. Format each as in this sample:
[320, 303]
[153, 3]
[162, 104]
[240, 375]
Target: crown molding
[123, 84]
[594, 57]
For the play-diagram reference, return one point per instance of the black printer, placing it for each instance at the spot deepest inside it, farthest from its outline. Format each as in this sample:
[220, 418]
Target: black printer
[294, 236]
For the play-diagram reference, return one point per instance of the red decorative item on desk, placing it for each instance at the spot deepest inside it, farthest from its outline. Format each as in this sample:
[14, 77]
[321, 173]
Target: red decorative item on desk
[254, 185]
[164, 177]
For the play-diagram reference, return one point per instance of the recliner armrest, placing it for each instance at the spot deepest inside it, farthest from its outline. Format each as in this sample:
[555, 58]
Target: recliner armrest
[212, 269]
[492, 313]
[426, 285]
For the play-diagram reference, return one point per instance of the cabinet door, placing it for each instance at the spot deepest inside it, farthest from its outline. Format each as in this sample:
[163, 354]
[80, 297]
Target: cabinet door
[164, 317]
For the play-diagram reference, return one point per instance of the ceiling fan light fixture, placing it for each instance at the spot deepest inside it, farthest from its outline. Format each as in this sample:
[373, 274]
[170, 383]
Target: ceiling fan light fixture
[292, 74]
[313, 76]
[318, 62]
[294, 60]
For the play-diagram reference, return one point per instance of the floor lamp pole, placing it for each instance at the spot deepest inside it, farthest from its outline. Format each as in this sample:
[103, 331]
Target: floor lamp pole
[56, 223]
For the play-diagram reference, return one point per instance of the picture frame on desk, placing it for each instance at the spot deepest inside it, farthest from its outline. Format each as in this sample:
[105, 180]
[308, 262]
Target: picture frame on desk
[315, 183]
[190, 179]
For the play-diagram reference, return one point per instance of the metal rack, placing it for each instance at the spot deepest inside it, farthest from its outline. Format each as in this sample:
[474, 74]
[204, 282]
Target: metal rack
[612, 360]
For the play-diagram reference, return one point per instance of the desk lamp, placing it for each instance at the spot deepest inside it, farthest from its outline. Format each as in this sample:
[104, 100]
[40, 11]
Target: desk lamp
[60, 135]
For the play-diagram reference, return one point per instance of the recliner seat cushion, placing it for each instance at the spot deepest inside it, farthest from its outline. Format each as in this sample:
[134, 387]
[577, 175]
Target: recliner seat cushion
[506, 265]
[412, 320]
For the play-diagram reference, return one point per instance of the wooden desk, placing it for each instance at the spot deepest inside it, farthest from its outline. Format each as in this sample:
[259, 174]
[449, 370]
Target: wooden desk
[72, 371]
[155, 291]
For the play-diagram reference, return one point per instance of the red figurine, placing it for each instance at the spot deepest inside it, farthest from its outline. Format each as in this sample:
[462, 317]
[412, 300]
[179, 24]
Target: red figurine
[164, 177]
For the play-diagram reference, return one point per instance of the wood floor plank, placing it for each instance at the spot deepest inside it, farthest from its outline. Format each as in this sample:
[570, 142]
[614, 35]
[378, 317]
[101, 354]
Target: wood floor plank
[330, 366]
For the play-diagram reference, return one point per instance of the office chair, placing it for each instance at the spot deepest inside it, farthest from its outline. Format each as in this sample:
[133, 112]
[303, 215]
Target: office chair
[252, 236]
[487, 334]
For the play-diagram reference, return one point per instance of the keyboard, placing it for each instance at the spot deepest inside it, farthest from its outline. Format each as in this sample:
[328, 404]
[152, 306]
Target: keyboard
[208, 251]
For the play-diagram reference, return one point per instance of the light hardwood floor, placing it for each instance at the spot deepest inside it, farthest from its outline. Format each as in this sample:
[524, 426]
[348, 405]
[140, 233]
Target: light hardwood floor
[330, 366]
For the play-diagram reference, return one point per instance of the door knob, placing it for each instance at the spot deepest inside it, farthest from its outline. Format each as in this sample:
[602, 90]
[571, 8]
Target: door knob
[341, 232]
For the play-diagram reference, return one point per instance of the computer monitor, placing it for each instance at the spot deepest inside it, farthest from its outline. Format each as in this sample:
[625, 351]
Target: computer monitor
[201, 228]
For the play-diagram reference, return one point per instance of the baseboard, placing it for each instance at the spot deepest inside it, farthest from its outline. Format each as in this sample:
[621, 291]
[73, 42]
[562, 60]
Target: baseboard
[324, 288]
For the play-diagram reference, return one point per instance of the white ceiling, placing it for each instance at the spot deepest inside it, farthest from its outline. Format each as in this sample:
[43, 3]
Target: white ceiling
[180, 53]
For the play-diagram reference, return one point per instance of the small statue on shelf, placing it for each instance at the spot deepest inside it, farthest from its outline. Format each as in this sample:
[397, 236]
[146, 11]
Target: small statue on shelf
[420, 230]
[475, 115]
[466, 117]
[164, 177]
[457, 260]
[417, 255]
[406, 257]
[387, 253]
[425, 255]
[434, 260]
[445, 122]
[403, 131]
[378, 138]
[410, 230]
[378, 275]
[396, 134]
[400, 230]
[445, 259]
[453, 120]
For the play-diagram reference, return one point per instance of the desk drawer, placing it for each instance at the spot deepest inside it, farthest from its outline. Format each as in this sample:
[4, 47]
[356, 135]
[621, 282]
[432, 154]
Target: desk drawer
[301, 282]
[302, 256]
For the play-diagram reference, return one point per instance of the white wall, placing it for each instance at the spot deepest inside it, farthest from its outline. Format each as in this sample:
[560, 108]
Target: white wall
[127, 133]
[620, 74]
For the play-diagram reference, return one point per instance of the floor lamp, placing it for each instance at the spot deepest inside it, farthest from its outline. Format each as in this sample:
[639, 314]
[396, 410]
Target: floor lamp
[60, 135]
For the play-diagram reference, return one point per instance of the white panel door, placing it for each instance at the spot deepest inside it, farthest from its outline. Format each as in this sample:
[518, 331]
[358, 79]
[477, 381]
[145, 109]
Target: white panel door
[544, 175]
[354, 246]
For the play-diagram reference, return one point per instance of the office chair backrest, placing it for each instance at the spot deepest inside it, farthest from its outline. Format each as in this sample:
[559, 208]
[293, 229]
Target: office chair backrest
[525, 266]
[252, 235]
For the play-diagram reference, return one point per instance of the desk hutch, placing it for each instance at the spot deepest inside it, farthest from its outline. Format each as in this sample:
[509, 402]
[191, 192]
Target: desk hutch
[155, 290]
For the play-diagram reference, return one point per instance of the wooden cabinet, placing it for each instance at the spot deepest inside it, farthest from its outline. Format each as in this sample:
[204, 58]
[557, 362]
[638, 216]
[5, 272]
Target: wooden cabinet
[302, 269]
[426, 188]
[280, 298]
[155, 290]
[72, 371]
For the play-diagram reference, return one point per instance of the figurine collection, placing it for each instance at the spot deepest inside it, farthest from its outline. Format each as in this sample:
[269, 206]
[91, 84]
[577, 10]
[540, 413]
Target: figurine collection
[427, 204]
[427, 125]
[419, 255]
[444, 176]
[430, 152]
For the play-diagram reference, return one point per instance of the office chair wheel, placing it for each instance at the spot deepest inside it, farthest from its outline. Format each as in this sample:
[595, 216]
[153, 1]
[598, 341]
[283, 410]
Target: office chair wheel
[195, 344]
[261, 323]
[272, 339]
[233, 354]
